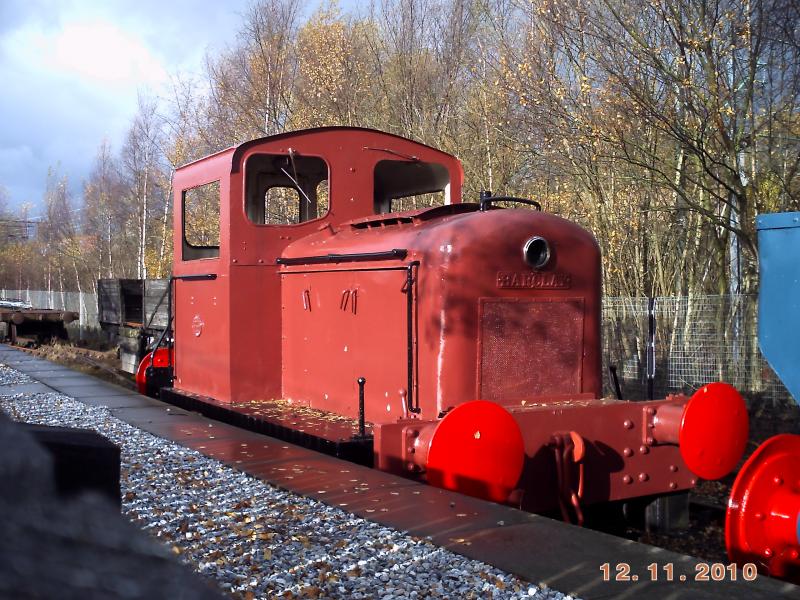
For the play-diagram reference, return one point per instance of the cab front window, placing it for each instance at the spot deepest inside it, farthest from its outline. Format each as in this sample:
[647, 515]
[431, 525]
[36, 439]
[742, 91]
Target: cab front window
[285, 189]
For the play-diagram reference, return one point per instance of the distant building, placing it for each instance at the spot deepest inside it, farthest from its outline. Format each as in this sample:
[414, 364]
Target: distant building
[17, 230]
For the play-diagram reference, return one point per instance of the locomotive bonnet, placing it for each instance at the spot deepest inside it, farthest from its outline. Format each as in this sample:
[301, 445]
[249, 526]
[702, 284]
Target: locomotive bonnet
[459, 343]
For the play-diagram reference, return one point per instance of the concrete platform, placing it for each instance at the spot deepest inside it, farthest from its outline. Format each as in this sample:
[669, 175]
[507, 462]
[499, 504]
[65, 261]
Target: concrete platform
[24, 388]
[538, 549]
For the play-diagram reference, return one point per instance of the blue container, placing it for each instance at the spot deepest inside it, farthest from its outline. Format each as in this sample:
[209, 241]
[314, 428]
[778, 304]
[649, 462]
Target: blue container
[779, 295]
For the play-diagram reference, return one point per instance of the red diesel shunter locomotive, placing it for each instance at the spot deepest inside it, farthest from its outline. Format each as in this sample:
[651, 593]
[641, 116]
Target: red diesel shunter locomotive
[458, 343]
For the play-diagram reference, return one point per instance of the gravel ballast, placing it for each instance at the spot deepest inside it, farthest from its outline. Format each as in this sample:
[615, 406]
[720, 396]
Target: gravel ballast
[9, 376]
[255, 540]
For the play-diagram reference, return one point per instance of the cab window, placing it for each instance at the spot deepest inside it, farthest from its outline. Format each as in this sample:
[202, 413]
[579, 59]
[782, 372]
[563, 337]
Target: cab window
[201, 221]
[409, 185]
[285, 189]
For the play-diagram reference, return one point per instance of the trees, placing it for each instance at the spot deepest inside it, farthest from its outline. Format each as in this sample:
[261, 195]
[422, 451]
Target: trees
[333, 71]
[62, 243]
[109, 231]
[664, 126]
[252, 85]
[142, 163]
[678, 98]
[102, 194]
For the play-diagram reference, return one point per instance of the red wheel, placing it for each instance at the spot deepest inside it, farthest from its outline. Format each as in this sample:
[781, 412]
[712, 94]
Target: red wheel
[761, 524]
[477, 449]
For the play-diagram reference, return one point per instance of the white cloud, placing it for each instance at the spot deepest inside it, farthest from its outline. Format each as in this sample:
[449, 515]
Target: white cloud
[103, 52]
[71, 71]
[95, 52]
[67, 86]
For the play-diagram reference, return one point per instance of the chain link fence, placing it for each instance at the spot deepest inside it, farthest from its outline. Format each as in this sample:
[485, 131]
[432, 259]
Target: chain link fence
[699, 339]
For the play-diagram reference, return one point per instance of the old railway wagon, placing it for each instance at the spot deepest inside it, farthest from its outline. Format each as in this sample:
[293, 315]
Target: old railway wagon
[458, 343]
[133, 313]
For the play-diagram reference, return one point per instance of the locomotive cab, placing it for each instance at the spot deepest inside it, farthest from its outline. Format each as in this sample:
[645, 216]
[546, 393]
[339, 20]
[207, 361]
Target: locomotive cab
[235, 213]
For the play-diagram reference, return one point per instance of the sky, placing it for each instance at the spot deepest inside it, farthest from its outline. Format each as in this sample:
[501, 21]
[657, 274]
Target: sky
[71, 71]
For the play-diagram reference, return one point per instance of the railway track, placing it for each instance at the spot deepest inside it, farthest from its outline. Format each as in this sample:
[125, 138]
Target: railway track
[95, 362]
[530, 547]
[705, 512]
[704, 538]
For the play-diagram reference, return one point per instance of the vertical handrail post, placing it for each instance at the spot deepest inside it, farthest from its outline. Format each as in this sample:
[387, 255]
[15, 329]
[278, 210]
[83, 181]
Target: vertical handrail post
[362, 426]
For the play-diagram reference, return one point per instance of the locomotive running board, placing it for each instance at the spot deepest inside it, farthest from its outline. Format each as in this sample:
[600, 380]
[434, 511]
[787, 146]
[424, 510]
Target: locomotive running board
[313, 429]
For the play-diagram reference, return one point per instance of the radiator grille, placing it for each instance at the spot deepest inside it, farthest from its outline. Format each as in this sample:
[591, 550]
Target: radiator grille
[530, 348]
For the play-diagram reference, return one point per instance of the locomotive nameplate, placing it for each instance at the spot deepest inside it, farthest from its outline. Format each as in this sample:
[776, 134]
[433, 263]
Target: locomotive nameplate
[534, 281]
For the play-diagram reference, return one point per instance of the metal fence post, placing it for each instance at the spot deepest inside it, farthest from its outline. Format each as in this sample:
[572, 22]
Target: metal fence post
[651, 347]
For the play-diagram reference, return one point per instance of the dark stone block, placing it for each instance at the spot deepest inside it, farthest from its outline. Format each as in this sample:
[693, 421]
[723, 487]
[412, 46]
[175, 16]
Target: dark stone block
[83, 461]
[83, 549]
[52, 547]
[25, 467]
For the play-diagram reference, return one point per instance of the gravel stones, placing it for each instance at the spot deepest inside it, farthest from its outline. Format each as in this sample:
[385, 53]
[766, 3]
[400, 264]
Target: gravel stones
[255, 540]
[9, 376]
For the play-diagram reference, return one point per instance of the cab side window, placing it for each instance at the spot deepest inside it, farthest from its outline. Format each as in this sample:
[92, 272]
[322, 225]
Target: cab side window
[402, 185]
[201, 221]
